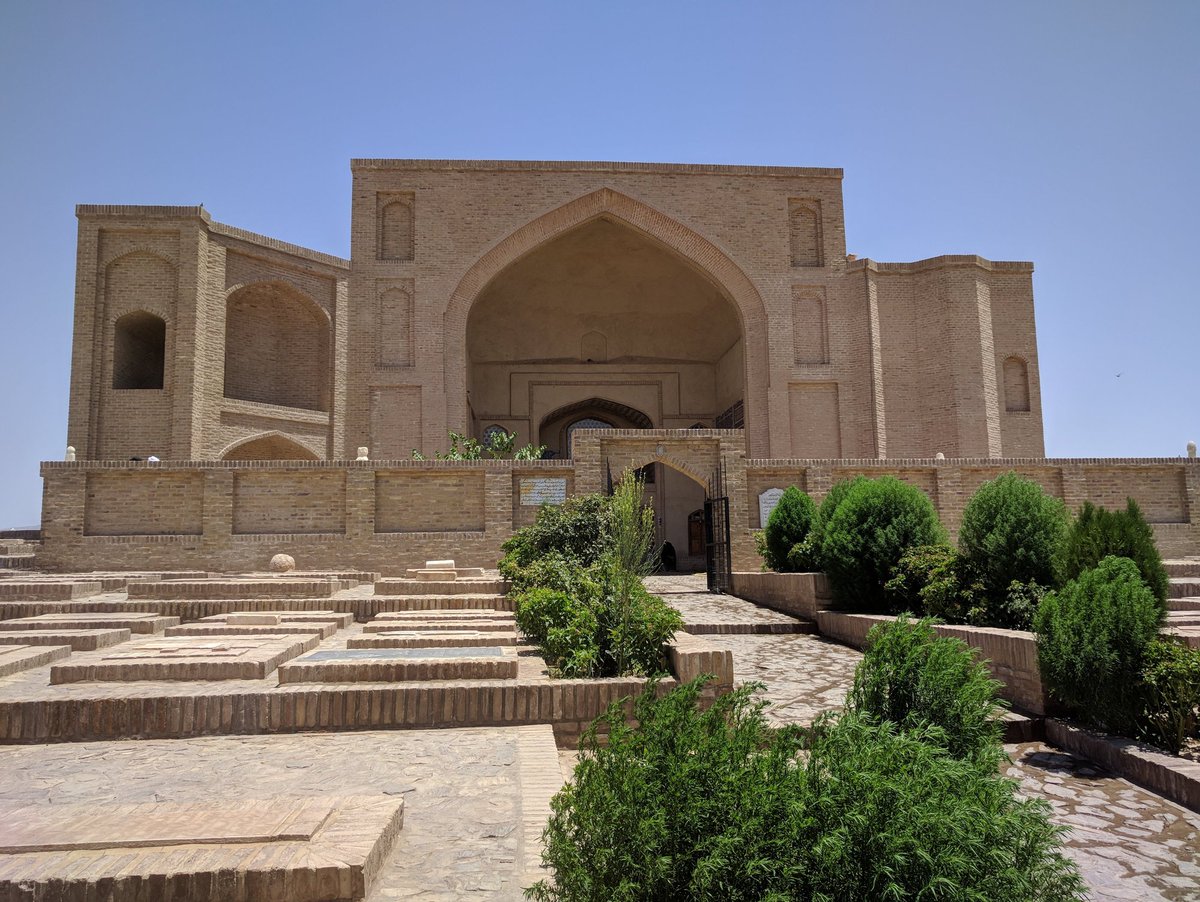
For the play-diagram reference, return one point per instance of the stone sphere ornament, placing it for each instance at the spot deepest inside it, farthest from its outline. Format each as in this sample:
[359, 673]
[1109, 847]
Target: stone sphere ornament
[283, 563]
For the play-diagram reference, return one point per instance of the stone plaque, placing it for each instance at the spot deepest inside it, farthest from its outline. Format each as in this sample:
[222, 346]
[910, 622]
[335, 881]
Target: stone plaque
[538, 491]
[766, 503]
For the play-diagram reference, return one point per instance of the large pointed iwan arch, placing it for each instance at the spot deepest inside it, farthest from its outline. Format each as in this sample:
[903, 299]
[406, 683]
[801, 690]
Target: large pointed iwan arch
[701, 253]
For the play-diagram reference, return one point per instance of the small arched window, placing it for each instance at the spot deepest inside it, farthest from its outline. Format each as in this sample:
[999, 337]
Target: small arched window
[139, 351]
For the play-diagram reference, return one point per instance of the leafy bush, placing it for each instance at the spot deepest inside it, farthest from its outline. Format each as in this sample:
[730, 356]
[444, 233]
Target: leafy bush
[497, 446]
[713, 804]
[788, 525]
[1015, 611]
[804, 557]
[876, 521]
[916, 679]
[825, 510]
[1098, 533]
[1012, 531]
[927, 580]
[1170, 686]
[571, 535]
[1092, 638]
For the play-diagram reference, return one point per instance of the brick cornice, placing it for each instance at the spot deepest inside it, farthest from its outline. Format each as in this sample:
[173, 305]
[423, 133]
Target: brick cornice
[595, 166]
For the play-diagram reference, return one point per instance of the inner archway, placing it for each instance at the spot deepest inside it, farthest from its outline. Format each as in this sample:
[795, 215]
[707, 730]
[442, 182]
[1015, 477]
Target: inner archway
[603, 310]
[594, 413]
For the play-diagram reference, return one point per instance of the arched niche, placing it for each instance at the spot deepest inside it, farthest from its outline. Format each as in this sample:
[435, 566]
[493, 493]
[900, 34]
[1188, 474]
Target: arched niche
[277, 347]
[268, 446]
[555, 429]
[139, 351]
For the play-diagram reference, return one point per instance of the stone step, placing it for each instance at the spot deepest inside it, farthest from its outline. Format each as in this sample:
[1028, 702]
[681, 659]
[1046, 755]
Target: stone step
[322, 630]
[1183, 618]
[1183, 568]
[78, 640]
[278, 587]
[1184, 587]
[136, 623]
[443, 602]
[431, 639]
[401, 665]
[485, 586]
[1183, 604]
[1189, 635]
[805, 627]
[484, 626]
[339, 619]
[16, 658]
[17, 561]
[50, 590]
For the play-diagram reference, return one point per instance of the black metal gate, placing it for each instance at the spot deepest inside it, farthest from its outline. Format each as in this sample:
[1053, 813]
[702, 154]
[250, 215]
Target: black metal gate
[717, 558]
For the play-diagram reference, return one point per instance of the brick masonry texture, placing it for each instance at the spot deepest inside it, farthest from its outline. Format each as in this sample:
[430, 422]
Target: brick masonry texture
[477, 506]
[271, 350]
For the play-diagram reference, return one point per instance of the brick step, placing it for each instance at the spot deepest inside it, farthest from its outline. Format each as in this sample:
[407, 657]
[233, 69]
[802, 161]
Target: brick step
[393, 586]
[1183, 604]
[280, 587]
[1183, 568]
[401, 665]
[17, 561]
[188, 610]
[805, 627]
[1184, 587]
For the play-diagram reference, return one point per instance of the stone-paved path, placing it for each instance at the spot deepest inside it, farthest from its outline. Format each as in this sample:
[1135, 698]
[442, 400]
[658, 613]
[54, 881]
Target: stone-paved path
[475, 799]
[1130, 843]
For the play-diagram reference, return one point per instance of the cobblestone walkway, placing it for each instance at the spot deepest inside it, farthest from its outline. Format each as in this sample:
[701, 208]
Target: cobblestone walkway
[1131, 844]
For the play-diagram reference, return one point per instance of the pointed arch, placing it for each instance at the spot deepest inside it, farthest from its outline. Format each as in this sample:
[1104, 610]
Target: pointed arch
[702, 254]
[273, 445]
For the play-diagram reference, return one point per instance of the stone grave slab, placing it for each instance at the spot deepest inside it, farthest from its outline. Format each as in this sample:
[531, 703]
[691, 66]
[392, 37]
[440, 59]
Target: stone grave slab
[302, 850]
[275, 587]
[451, 614]
[134, 622]
[403, 638]
[322, 630]
[480, 625]
[79, 640]
[431, 571]
[190, 658]
[15, 658]
[338, 618]
[47, 590]
[396, 665]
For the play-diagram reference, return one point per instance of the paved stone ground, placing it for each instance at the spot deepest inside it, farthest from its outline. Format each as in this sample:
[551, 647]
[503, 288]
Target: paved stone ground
[475, 800]
[1130, 843]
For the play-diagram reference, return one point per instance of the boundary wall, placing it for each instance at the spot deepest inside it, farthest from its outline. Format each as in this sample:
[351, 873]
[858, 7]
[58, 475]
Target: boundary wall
[386, 516]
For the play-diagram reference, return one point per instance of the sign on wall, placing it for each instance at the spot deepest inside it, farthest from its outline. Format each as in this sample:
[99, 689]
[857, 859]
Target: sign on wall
[539, 491]
[766, 503]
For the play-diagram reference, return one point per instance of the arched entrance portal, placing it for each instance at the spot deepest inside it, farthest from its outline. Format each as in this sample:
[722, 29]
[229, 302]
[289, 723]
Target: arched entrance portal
[678, 501]
[604, 316]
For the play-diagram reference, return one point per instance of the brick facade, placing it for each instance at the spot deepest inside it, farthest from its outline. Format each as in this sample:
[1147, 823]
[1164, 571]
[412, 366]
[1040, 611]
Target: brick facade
[272, 351]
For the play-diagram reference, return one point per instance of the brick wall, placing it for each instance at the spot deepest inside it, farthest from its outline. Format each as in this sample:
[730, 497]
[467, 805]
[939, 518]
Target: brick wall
[389, 515]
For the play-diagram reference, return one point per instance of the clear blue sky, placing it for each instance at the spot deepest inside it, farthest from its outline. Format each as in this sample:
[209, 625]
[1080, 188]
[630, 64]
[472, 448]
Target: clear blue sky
[1059, 132]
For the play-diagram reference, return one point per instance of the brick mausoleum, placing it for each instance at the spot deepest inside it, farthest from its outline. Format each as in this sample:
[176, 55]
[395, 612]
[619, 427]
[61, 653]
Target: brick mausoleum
[710, 315]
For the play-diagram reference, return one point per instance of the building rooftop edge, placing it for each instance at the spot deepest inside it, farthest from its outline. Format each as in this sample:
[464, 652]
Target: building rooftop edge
[593, 166]
[157, 211]
[942, 261]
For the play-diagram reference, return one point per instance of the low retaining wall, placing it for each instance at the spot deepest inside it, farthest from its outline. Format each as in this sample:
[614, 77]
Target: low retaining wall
[798, 594]
[1011, 654]
[1158, 771]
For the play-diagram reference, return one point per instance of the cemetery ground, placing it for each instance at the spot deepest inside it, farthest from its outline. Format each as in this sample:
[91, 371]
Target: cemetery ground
[337, 736]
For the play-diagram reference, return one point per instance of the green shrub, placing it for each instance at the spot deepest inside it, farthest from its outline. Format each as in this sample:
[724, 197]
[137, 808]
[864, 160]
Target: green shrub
[1170, 688]
[1098, 533]
[789, 524]
[804, 556]
[1014, 610]
[928, 580]
[1092, 638]
[914, 678]
[575, 533]
[1012, 531]
[829, 504]
[875, 523]
[714, 805]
